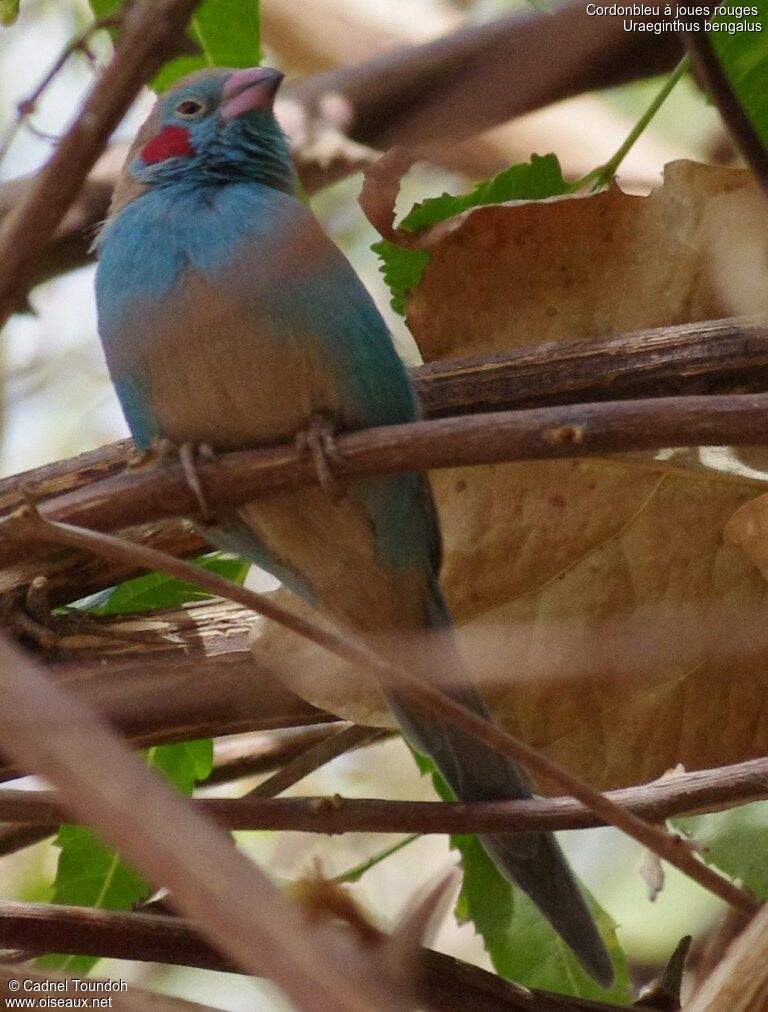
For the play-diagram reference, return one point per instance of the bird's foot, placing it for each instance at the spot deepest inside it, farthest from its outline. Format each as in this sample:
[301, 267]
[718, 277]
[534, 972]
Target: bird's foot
[162, 452]
[188, 453]
[317, 442]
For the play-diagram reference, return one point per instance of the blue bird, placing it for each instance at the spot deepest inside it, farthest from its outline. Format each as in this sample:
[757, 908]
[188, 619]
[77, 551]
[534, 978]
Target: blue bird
[228, 317]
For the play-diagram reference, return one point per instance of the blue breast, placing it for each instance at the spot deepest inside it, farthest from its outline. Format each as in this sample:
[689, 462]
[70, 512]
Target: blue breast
[233, 235]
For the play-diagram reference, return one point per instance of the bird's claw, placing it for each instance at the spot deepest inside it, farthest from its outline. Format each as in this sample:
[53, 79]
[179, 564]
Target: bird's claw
[187, 454]
[164, 451]
[317, 442]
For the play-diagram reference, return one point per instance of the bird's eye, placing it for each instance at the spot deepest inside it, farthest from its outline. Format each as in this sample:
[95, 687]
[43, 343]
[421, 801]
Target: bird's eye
[190, 108]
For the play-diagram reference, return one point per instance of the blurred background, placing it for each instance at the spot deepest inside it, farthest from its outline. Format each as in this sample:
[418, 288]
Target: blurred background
[57, 401]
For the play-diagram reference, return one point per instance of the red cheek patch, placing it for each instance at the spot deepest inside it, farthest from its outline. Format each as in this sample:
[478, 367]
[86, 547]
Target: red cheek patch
[171, 142]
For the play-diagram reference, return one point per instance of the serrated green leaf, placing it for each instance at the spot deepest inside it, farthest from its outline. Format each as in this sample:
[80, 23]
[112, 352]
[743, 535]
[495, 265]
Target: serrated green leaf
[744, 58]
[402, 268]
[9, 12]
[522, 944]
[736, 842]
[227, 32]
[185, 764]
[156, 590]
[541, 177]
[90, 874]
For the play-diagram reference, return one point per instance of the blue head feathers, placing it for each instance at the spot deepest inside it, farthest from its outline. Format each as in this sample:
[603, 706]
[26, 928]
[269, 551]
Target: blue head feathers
[216, 125]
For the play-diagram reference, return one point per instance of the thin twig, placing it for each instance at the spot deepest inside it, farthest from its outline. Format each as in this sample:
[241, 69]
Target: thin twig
[150, 27]
[682, 794]
[669, 847]
[315, 757]
[537, 434]
[249, 755]
[28, 105]
[235, 757]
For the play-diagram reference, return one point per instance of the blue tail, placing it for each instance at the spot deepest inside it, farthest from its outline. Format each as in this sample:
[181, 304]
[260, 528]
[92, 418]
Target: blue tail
[474, 772]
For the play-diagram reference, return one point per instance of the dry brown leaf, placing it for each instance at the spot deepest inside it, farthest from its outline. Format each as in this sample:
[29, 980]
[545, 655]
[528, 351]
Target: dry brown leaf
[597, 601]
[748, 529]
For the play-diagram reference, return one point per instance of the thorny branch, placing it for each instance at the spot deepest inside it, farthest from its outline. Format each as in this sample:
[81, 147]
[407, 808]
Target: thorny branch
[669, 847]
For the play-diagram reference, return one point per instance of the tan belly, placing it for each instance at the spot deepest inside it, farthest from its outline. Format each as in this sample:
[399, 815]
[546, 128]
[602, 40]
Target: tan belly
[330, 545]
[243, 387]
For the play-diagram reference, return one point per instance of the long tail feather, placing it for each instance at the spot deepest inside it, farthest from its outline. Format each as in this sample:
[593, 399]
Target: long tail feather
[474, 772]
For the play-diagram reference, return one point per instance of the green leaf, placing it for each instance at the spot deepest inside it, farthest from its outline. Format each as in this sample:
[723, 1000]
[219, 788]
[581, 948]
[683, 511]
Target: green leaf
[227, 33]
[9, 11]
[185, 764]
[156, 590]
[736, 842]
[90, 874]
[522, 944]
[402, 268]
[541, 177]
[743, 56]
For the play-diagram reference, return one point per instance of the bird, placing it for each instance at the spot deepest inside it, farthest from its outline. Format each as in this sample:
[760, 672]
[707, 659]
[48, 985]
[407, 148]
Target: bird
[229, 318]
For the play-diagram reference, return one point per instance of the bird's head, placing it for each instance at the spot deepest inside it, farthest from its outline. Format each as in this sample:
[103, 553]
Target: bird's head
[215, 125]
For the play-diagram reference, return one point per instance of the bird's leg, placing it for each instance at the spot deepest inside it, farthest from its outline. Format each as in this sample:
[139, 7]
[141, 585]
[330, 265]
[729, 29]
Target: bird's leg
[317, 441]
[163, 451]
[187, 454]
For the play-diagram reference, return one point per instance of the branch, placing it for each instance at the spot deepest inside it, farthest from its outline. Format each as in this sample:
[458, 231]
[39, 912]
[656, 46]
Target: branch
[235, 757]
[669, 847]
[709, 357]
[444, 982]
[710, 70]
[482, 75]
[140, 496]
[714, 356]
[248, 755]
[394, 97]
[682, 794]
[16, 838]
[198, 679]
[149, 30]
[236, 907]
[313, 758]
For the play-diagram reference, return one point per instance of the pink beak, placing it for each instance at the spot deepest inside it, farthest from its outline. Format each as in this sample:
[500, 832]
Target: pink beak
[252, 88]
